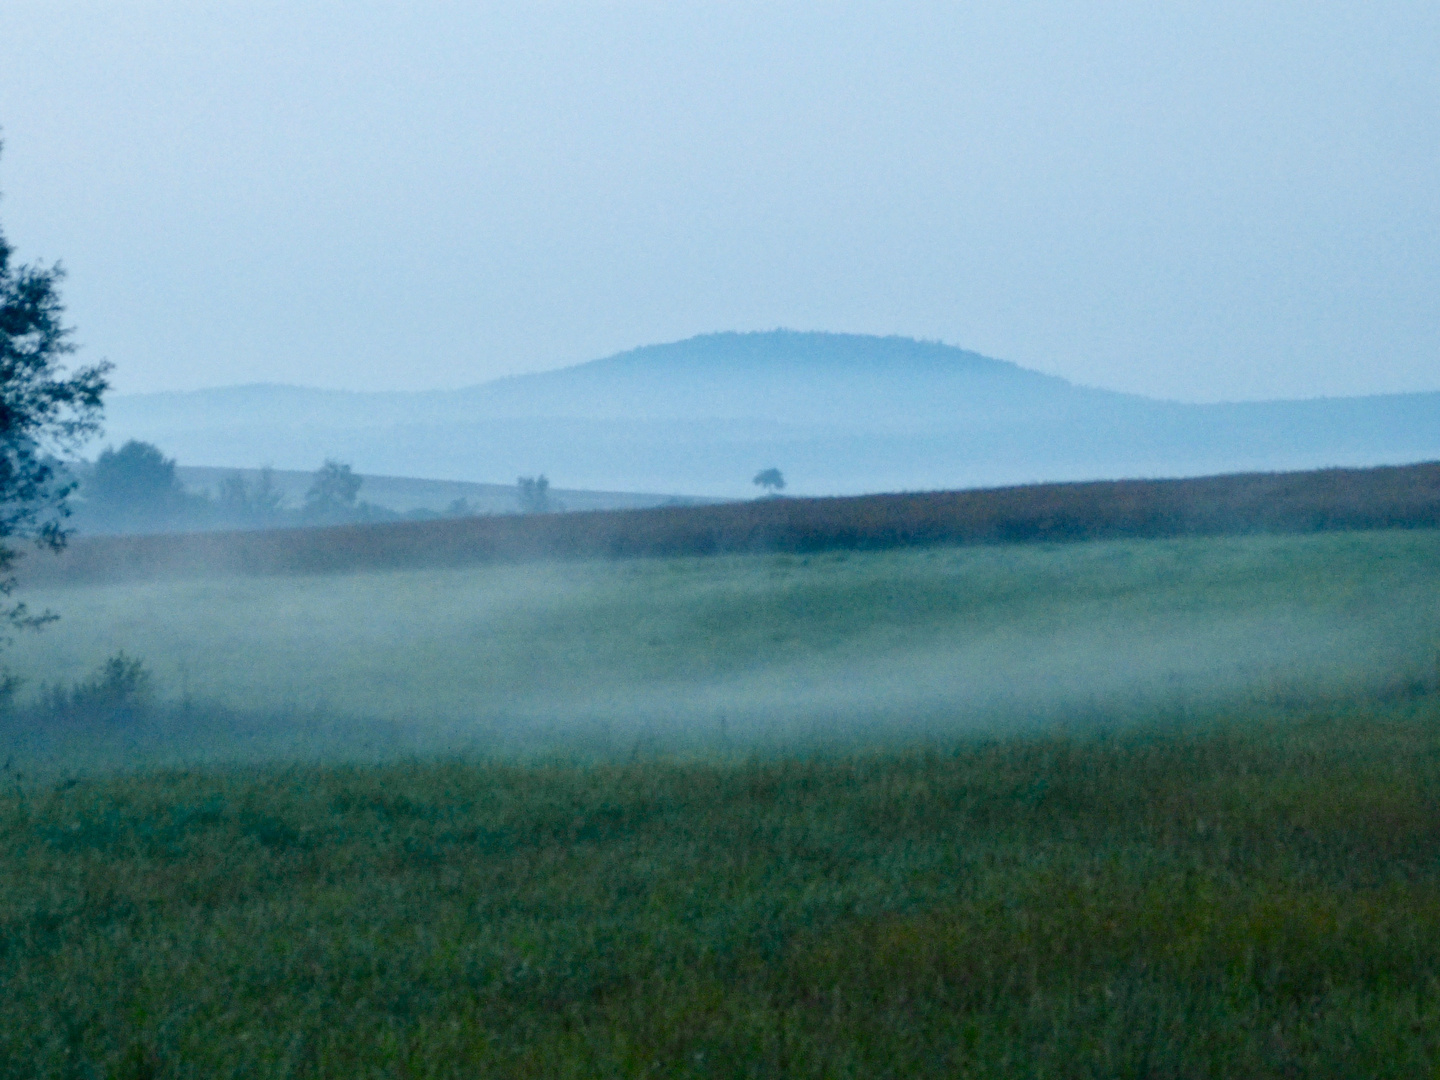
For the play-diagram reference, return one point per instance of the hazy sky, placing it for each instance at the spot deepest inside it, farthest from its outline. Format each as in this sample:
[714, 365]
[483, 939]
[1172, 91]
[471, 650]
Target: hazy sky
[1204, 201]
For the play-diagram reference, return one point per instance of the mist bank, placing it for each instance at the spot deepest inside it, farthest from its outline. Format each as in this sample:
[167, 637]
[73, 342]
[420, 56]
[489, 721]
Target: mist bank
[1319, 501]
[739, 652]
[839, 414]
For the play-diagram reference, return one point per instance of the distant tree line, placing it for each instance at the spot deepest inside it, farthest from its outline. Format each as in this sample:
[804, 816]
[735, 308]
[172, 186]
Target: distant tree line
[1389, 497]
[136, 489]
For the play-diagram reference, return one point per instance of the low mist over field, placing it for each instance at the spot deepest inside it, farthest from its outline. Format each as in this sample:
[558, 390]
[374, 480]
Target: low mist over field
[838, 413]
[727, 654]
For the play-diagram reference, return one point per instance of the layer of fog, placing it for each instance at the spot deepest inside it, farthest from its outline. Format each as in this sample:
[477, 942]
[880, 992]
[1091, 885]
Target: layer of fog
[730, 654]
[1081, 677]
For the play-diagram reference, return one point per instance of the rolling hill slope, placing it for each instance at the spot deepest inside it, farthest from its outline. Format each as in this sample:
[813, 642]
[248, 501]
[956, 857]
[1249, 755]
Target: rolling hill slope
[840, 414]
[1328, 500]
[404, 494]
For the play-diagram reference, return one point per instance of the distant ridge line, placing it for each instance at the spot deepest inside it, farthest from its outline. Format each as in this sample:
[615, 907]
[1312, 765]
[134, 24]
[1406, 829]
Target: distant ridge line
[1295, 502]
[797, 341]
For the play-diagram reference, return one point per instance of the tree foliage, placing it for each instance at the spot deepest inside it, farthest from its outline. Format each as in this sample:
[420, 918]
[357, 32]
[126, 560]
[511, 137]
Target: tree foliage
[46, 412]
[134, 485]
[332, 493]
[773, 480]
[533, 494]
[242, 503]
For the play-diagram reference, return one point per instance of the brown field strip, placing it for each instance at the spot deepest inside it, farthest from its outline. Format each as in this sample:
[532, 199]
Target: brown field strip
[1300, 502]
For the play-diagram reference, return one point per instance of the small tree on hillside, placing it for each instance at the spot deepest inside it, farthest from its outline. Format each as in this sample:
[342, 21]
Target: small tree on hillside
[333, 491]
[533, 493]
[772, 480]
[266, 500]
[242, 502]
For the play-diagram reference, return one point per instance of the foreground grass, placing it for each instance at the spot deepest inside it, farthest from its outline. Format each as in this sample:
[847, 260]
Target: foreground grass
[1244, 899]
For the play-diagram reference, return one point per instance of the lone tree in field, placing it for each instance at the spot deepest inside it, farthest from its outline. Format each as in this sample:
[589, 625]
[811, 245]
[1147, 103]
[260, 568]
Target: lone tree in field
[332, 493]
[45, 413]
[533, 493]
[772, 480]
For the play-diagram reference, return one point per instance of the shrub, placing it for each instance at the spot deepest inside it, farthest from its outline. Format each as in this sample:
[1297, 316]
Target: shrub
[118, 690]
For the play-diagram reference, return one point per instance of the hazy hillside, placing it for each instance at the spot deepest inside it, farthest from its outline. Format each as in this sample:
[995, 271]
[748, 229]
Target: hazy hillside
[404, 493]
[838, 413]
[1406, 497]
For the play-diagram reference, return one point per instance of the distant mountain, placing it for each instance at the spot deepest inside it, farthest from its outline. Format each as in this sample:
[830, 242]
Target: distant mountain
[837, 413]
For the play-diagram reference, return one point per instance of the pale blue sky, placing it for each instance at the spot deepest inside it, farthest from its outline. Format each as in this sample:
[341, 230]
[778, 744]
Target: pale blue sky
[1204, 201]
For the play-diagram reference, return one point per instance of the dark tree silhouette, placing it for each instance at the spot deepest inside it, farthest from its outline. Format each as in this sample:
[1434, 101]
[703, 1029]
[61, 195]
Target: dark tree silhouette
[45, 414]
[133, 488]
[533, 492]
[332, 494]
[773, 480]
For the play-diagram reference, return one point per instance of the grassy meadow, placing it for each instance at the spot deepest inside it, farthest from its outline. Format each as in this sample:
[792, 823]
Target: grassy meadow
[1132, 808]
[1259, 898]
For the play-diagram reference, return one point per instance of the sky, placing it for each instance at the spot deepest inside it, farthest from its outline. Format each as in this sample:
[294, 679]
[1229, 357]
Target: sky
[1200, 201]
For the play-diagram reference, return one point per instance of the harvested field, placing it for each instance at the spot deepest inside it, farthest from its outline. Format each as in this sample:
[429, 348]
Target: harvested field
[1302, 502]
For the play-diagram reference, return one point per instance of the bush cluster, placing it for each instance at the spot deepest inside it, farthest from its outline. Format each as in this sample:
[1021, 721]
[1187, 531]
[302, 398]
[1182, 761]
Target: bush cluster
[119, 690]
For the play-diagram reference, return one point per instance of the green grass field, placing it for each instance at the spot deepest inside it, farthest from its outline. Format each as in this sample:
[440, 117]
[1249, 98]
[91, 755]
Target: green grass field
[1258, 899]
[1164, 808]
[759, 651]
